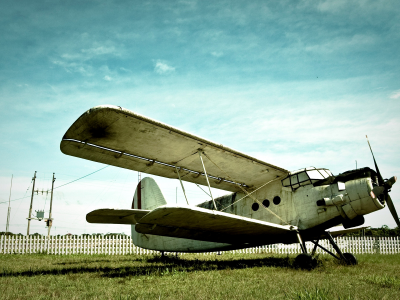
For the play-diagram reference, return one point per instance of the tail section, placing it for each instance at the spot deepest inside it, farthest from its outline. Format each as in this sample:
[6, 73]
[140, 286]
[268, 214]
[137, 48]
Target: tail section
[148, 195]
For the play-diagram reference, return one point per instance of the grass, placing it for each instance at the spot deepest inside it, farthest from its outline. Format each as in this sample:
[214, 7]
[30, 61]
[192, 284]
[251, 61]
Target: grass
[191, 276]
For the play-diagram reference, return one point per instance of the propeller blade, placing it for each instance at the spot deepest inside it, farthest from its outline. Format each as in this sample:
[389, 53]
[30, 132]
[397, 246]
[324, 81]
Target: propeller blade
[393, 210]
[389, 183]
[380, 178]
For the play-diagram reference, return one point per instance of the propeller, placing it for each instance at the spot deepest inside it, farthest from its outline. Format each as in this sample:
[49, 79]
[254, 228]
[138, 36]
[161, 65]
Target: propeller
[384, 188]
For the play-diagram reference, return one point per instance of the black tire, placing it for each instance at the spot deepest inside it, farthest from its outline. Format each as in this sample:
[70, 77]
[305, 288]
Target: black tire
[305, 262]
[351, 260]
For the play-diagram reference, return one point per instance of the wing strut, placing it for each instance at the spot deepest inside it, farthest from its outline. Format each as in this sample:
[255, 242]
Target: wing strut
[205, 173]
[183, 189]
[246, 192]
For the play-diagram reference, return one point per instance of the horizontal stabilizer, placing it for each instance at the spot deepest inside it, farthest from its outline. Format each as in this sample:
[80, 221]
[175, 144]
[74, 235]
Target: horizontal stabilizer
[116, 216]
[213, 226]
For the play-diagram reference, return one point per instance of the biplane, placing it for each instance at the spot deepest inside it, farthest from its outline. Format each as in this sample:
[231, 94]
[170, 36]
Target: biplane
[266, 204]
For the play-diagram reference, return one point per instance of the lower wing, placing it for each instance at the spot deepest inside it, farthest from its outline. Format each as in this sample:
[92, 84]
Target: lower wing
[340, 230]
[213, 226]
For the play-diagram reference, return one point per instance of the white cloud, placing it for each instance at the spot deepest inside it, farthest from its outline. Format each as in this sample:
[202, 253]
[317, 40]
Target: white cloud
[217, 53]
[100, 50]
[74, 67]
[395, 95]
[332, 6]
[108, 78]
[343, 43]
[162, 67]
[125, 70]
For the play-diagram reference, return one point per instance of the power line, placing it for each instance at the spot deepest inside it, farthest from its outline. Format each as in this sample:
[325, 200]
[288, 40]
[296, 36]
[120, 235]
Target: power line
[61, 185]
[81, 177]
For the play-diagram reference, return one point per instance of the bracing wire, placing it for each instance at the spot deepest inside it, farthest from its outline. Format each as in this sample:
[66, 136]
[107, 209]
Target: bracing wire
[203, 190]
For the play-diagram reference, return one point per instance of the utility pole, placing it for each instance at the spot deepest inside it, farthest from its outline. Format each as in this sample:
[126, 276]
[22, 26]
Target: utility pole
[50, 220]
[30, 208]
[9, 207]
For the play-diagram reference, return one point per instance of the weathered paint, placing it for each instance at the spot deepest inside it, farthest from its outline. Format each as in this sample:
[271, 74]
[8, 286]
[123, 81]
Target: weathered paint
[119, 137]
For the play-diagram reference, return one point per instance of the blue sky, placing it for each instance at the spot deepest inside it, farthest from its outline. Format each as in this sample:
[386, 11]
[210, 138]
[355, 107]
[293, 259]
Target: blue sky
[295, 83]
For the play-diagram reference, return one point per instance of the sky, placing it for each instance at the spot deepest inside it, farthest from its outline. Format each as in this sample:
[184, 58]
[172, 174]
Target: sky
[293, 83]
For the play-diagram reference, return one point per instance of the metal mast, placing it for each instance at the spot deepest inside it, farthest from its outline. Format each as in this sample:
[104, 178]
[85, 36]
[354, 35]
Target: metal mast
[50, 220]
[30, 208]
[9, 208]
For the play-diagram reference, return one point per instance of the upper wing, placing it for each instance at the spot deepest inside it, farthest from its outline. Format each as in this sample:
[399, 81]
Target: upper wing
[119, 137]
[214, 226]
[116, 216]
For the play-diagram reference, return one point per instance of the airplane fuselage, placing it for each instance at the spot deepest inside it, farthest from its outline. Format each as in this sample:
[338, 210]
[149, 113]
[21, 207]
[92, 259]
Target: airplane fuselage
[322, 204]
[312, 207]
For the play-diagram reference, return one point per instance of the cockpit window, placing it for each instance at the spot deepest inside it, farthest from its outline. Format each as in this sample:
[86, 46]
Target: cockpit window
[315, 174]
[305, 176]
[302, 176]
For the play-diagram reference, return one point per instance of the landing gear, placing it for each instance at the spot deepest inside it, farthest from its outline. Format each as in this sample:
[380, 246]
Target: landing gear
[351, 260]
[307, 261]
[346, 258]
[304, 260]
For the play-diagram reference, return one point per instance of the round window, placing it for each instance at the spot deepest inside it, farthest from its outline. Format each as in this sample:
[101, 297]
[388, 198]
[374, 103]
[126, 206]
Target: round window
[266, 202]
[277, 200]
[255, 206]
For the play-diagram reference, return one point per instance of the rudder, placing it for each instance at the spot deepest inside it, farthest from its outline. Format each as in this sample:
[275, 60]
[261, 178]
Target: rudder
[148, 195]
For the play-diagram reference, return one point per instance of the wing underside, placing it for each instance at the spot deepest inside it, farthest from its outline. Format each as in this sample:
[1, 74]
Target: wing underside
[119, 137]
[337, 231]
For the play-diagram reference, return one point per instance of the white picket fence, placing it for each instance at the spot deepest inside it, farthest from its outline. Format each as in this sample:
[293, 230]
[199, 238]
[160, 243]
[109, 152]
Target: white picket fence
[120, 245]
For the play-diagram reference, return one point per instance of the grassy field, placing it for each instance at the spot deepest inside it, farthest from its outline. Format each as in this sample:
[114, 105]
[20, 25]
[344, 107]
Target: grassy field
[227, 276]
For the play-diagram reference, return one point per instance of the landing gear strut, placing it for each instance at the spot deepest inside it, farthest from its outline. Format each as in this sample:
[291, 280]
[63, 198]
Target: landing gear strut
[304, 260]
[346, 258]
[307, 261]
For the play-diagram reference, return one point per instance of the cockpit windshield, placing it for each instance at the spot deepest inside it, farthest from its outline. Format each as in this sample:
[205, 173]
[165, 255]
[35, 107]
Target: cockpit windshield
[305, 176]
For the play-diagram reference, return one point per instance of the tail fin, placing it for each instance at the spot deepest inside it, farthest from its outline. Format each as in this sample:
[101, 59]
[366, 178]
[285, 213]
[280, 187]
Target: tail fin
[148, 195]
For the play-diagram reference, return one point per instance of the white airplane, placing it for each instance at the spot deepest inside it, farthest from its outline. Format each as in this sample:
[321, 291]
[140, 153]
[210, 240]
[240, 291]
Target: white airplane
[267, 204]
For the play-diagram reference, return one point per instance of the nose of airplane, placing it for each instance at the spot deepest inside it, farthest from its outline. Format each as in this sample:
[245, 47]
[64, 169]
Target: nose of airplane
[386, 185]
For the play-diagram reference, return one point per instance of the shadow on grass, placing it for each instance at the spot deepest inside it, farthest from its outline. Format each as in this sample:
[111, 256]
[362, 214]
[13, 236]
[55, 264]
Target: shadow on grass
[159, 266]
[88, 261]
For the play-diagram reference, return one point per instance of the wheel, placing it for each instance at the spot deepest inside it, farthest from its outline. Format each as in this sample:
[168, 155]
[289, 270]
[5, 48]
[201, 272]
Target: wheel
[351, 260]
[305, 261]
